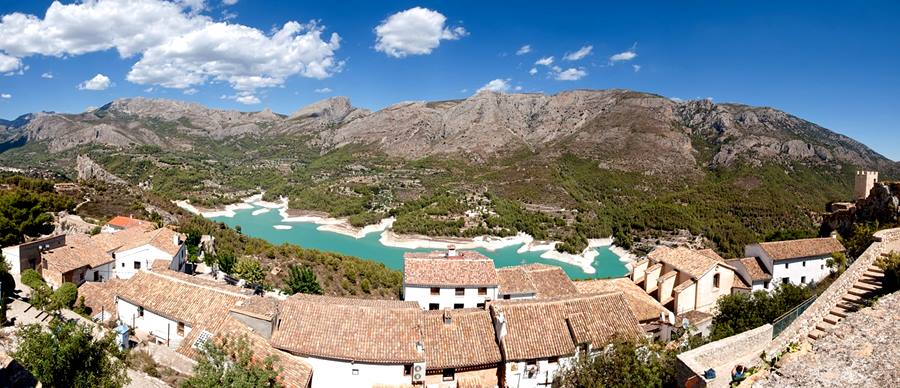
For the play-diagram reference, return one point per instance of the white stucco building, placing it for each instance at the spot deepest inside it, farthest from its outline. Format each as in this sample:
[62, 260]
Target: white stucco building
[136, 249]
[799, 262]
[449, 280]
[684, 280]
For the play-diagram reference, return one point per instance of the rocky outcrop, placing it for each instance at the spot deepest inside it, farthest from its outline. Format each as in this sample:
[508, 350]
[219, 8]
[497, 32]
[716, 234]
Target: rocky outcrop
[87, 169]
[882, 206]
[862, 351]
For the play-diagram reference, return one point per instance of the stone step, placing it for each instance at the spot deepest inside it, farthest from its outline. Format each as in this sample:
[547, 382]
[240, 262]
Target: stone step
[875, 269]
[832, 319]
[838, 312]
[848, 307]
[859, 292]
[866, 286]
[876, 275]
[816, 334]
[872, 281]
[853, 299]
[825, 326]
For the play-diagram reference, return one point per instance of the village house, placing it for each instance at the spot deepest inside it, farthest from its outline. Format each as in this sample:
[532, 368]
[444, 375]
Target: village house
[799, 262]
[135, 249]
[539, 336]
[752, 275]
[354, 342]
[100, 299]
[79, 260]
[534, 281]
[655, 319]
[684, 280]
[449, 280]
[28, 255]
[120, 223]
[460, 349]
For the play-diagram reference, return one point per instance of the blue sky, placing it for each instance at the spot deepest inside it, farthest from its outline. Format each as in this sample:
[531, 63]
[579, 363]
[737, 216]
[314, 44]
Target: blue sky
[833, 63]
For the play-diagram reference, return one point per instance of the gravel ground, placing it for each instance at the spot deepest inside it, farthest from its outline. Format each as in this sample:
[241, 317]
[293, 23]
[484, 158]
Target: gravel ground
[862, 351]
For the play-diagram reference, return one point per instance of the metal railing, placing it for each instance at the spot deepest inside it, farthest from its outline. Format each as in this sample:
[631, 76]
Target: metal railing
[787, 318]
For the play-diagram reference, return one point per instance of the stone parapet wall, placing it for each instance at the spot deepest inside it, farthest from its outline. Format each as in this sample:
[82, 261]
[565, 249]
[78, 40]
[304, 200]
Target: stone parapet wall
[721, 356]
[806, 322]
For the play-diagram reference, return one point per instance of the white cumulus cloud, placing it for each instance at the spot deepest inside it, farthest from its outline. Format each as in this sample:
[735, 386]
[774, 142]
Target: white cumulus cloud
[99, 82]
[323, 90]
[247, 99]
[546, 61]
[497, 85]
[416, 31]
[177, 46]
[533, 71]
[524, 50]
[623, 56]
[636, 68]
[47, 75]
[9, 63]
[229, 2]
[5, 96]
[581, 53]
[571, 74]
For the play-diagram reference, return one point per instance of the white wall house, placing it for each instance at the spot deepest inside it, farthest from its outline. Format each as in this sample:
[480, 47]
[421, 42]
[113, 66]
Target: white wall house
[131, 261]
[340, 373]
[449, 280]
[164, 330]
[799, 262]
[700, 278]
[28, 255]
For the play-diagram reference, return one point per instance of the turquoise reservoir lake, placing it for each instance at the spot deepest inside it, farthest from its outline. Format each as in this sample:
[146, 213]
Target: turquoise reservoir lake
[306, 235]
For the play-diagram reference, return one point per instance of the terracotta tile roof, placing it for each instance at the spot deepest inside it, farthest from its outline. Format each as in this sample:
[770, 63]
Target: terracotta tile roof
[295, 373]
[795, 249]
[162, 239]
[753, 267]
[694, 317]
[684, 285]
[645, 307]
[545, 281]
[122, 222]
[694, 263]
[542, 328]
[100, 297]
[468, 268]
[375, 331]
[79, 251]
[467, 340]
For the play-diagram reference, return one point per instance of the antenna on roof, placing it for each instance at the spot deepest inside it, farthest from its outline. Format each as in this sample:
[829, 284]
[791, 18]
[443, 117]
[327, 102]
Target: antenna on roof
[451, 250]
[447, 318]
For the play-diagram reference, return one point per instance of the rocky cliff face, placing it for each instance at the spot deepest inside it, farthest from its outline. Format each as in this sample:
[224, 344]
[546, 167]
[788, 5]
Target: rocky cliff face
[619, 128]
[87, 169]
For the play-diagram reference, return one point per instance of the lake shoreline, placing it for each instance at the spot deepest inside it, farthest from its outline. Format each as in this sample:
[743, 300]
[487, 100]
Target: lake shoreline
[388, 238]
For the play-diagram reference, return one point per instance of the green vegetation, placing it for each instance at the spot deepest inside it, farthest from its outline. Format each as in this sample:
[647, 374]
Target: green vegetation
[250, 270]
[740, 312]
[860, 238]
[890, 264]
[232, 364]
[621, 364]
[68, 355]
[303, 280]
[66, 295]
[25, 209]
[33, 279]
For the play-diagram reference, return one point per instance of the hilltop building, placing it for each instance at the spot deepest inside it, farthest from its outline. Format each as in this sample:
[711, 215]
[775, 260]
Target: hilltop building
[798, 262]
[865, 181]
[80, 259]
[449, 280]
[120, 223]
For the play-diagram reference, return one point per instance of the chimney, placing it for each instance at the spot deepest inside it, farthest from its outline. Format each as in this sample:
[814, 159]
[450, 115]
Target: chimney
[447, 318]
[451, 250]
[500, 326]
[176, 239]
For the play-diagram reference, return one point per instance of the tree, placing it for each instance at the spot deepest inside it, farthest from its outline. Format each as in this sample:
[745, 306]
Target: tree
[68, 355]
[621, 364]
[66, 295]
[741, 312]
[226, 262]
[250, 270]
[302, 280]
[32, 278]
[230, 363]
[838, 262]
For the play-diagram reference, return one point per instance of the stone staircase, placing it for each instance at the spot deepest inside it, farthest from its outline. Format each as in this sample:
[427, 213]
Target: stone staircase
[866, 287]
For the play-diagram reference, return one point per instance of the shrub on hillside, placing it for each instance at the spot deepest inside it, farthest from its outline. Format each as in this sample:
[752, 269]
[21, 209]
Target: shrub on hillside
[33, 279]
[891, 266]
[738, 313]
[66, 295]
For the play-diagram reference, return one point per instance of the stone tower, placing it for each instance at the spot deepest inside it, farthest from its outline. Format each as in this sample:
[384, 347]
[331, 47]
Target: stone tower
[865, 180]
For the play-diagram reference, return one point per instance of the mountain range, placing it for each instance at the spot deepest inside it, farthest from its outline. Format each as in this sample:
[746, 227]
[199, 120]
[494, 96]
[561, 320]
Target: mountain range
[595, 151]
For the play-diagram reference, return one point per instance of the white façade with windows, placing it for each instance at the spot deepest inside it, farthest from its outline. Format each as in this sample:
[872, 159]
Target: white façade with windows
[339, 373]
[163, 329]
[797, 271]
[534, 373]
[441, 298]
[132, 261]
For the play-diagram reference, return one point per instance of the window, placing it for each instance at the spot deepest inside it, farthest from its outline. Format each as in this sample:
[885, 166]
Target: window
[507, 296]
[785, 280]
[137, 265]
[460, 291]
[97, 276]
[480, 305]
[766, 285]
[449, 374]
[804, 263]
[123, 265]
[180, 329]
[482, 290]
[716, 279]
[355, 372]
[435, 291]
[458, 305]
[434, 306]
[407, 370]
[786, 265]
[81, 276]
[553, 360]
[803, 279]
[140, 311]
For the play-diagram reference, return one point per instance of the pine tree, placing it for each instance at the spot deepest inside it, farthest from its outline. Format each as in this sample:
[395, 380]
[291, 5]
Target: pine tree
[302, 280]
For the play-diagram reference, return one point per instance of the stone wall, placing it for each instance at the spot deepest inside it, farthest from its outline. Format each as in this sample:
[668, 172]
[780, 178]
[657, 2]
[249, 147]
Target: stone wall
[722, 356]
[813, 315]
